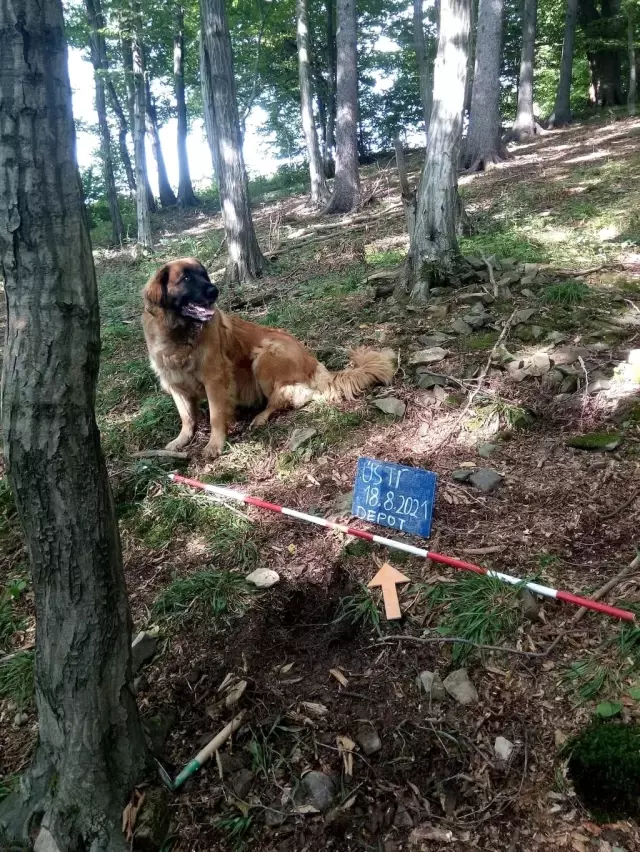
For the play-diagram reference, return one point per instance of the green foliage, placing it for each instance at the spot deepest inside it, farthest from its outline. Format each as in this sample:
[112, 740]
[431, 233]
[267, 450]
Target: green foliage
[360, 609]
[565, 293]
[604, 765]
[218, 595]
[237, 829]
[17, 678]
[9, 525]
[9, 621]
[587, 678]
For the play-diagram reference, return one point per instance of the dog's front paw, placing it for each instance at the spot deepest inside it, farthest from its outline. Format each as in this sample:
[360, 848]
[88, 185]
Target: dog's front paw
[176, 445]
[213, 450]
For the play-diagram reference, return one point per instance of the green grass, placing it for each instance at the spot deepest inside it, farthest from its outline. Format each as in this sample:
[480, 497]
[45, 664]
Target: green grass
[391, 257]
[17, 679]
[10, 533]
[566, 293]
[9, 621]
[587, 679]
[481, 342]
[237, 830]
[479, 609]
[500, 412]
[511, 242]
[360, 609]
[218, 595]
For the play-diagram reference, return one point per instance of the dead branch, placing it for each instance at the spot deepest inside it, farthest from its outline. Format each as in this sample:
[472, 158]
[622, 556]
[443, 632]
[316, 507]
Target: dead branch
[159, 454]
[492, 277]
[608, 586]
[622, 506]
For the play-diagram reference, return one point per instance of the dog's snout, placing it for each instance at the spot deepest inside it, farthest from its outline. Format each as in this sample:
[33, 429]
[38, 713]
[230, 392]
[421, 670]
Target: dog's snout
[211, 292]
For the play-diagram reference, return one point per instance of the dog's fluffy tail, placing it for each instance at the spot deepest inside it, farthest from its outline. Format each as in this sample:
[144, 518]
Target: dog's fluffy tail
[368, 367]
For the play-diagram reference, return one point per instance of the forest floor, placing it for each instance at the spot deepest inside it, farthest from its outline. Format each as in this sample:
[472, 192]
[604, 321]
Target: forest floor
[326, 676]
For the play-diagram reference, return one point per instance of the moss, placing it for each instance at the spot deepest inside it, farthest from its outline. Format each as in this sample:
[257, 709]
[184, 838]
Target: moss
[604, 766]
[595, 441]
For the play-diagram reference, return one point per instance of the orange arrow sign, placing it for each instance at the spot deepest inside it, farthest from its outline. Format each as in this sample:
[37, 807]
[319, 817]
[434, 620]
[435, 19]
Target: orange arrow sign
[388, 577]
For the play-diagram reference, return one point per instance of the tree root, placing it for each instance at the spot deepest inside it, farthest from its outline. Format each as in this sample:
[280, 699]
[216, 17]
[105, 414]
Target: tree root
[485, 162]
[525, 134]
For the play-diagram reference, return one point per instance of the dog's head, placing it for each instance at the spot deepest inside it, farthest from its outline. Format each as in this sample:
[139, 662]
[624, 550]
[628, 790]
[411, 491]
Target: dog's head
[182, 288]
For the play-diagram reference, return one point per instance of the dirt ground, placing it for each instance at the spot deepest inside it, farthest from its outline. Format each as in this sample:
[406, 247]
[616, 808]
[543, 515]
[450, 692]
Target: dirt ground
[324, 672]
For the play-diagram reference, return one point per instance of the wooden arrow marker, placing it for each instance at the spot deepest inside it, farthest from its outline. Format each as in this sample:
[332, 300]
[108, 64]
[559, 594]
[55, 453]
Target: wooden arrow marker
[387, 578]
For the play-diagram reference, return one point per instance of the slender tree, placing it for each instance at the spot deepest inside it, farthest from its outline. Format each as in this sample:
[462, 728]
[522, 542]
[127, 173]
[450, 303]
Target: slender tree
[139, 120]
[525, 124]
[123, 131]
[225, 141]
[186, 195]
[561, 114]
[483, 144]
[319, 192]
[98, 53]
[91, 749]
[330, 131]
[424, 72]
[346, 187]
[126, 46]
[631, 46]
[433, 252]
[167, 195]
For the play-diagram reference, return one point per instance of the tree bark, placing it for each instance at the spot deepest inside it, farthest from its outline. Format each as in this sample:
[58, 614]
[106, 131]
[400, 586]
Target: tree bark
[561, 114]
[525, 124]
[225, 141]
[98, 60]
[346, 187]
[603, 35]
[483, 145]
[139, 120]
[167, 195]
[127, 62]
[472, 57]
[433, 252]
[330, 132]
[123, 130]
[91, 748]
[631, 43]
[424, 72]
[319, 192]
[186, 195]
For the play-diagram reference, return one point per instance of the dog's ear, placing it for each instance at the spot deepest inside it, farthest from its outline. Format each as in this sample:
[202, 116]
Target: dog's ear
[155, 290]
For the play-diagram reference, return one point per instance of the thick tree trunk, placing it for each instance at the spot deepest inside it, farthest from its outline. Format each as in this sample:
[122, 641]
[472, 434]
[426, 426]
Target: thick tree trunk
[91, 747]
[98, 60]
[603, 35]
[139, 119]
[433, 251]
[319, 192]
[127, 61]
[483, 145]
[525, 124]
[186, 195]
[167, 195]
[424, 72]
[561, 114]
[472, 57]
[330, 132]
[225, 141]
[346, 187]
[631, 43]
[123, 130]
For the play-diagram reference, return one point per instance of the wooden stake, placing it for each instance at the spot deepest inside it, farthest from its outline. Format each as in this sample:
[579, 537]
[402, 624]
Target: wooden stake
[387, 578]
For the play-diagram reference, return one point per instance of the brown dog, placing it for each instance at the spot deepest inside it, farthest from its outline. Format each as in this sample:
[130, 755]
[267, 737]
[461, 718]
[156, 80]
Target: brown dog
[200, 352]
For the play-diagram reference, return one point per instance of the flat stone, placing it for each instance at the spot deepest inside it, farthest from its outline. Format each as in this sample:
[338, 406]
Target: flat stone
[598, 385]
[438, 311]
[529, 605]
[553, 379]
[528, 279]
[428, 356]
[402, 818]
[391, 405]
[20, 720]
[503, 748]
[318, 789]
[538, 364]
[470, 298]
[487, 450]
[528, 294]
[299, 437]
[531, 269]
[476, 321]
[461, 327]
[369, 741]
[568, 354]
[263, 578]
[461, 475]
[460, 687]
[569, 384]
[523, 315]
[241, 782]
[429, 380]
[143, 649]
[475, 262]
[434, 339]
[486, 480]
[432, 684]
[555, 337]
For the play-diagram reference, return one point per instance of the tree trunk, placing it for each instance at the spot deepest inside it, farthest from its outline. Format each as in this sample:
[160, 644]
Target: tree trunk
[123, 130]
[225, 141]
[424, 72]
[472, 57]
[167, 195]
[561, 114]
[127, 62]
[91, 748]
[98, 60]
[346, 187]
[631, 39]
[331, 90]
[186, 195]
[603, 35]
[319, 192]
[139, 117]
[525, 124]
[483, 145]
[433, 252]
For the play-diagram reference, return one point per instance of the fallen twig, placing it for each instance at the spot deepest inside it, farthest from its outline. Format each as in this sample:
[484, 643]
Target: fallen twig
[427, 640]
[492, 277]
[159, 454]
[608, 586]
[622, 506]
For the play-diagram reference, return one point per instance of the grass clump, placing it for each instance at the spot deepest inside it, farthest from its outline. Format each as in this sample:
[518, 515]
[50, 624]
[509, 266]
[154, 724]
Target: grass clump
[479, 609]
[565, 293]
[502, 414]
[9, 621]
[359, 609]
[237, 830]
[604, 765]
[17, 678]
[10, 535]
[587, 678]
[219, 595]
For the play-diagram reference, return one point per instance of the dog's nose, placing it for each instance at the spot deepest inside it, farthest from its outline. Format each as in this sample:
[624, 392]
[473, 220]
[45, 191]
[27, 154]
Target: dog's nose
[212, 292]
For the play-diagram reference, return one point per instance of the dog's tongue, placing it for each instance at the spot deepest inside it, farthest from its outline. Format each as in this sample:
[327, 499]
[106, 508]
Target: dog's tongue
[198, 312]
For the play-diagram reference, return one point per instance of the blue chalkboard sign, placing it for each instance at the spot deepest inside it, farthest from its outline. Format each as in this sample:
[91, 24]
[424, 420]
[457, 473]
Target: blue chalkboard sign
[394, 495]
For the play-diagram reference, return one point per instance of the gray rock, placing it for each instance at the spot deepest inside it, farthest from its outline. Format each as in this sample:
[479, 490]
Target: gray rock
[476, 321]
[553, 379]
[569, 384]
[503, 748]
[461, 327]
[434, 339]
[263, 578]
[531, 269]
[241, 782]
[598, 385]
[477, 308]
[20, 720]
[143, 648]
[428, 380]
[391, 405]
[462, 475]
[486, 480]
[529, 605]
[528, 279]
[555, 337]
[369, 741]
[318, 790]
[402, 818]
[438, 311]
[475, 262]
[523, 315]
[487, 450]
[428, 356]
[536, 331]
[460, 687]
[300, 437]
[568, 354]
[432, 684]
